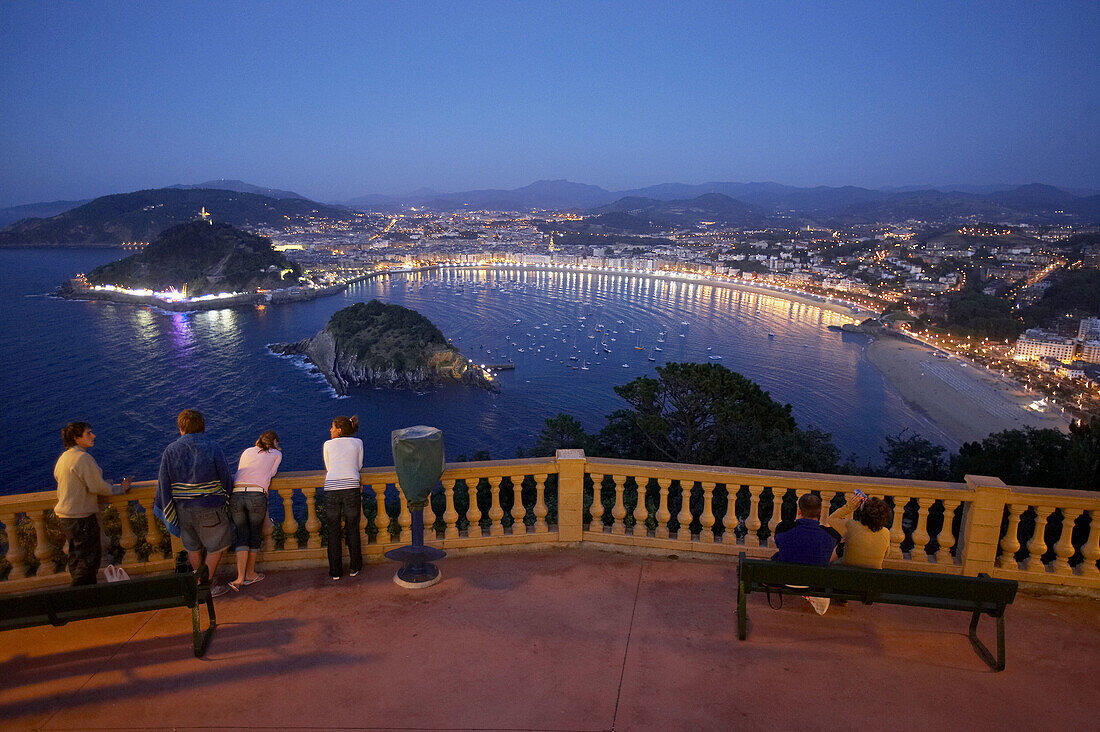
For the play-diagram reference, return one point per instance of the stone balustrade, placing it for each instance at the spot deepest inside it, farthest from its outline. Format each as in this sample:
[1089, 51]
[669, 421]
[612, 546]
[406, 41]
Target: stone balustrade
[1032, 535]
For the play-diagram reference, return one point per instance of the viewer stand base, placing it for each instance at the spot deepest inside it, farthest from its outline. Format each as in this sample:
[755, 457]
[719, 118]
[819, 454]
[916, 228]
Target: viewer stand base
[417, 570]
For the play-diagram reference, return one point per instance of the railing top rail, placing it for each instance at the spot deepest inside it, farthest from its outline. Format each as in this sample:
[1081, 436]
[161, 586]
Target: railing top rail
[1058, 496]
[809, 481]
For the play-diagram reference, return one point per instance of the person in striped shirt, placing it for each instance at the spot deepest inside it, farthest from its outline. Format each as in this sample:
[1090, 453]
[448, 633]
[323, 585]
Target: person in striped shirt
[193, 486]
[343, 495]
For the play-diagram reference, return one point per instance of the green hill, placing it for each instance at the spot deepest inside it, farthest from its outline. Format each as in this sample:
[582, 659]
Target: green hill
[206, 258]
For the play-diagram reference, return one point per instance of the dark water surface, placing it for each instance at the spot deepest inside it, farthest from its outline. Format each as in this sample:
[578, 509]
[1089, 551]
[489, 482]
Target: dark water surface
[130, 370]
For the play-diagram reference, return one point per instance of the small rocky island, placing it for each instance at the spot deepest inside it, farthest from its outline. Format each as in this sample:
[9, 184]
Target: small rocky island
[378, 344]
[194, 266]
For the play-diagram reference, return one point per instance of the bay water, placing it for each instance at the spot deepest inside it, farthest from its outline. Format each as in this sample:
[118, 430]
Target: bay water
[129, 370]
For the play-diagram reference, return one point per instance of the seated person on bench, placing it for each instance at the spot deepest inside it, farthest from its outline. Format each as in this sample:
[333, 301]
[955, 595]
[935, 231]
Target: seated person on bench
[866, 539]
[806, 541]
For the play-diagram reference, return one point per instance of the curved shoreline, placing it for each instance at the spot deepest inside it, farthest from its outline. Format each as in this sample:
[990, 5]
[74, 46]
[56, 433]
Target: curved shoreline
[965, 400]
[852, 311]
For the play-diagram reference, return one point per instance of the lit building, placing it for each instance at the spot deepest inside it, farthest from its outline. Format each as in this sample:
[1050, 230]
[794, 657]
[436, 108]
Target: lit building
[1035, 344]
[1089, 329]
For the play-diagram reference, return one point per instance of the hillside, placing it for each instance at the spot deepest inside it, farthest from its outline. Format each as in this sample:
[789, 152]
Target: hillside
[206, 258]
[715, 207]
[230, 184]
[141, 215]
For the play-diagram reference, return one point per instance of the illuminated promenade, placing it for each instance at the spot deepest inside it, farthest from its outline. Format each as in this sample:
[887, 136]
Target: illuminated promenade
[555, 616]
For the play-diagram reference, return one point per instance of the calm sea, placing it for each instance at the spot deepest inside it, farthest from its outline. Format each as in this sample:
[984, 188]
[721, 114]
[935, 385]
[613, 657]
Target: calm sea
[129, 370]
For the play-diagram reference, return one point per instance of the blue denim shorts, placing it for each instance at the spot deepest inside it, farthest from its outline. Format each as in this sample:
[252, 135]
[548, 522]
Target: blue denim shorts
[203, 528]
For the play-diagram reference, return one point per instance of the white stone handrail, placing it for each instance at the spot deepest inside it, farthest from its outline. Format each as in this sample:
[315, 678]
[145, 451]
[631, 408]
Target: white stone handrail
[980, 525]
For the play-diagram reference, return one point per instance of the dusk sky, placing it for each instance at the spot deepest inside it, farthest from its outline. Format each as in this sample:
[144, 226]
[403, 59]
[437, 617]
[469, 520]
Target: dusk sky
[339, 99]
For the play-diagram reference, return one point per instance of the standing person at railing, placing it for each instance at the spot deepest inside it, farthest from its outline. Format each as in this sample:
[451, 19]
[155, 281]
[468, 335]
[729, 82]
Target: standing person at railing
[248, 504]
[193, 486]
[343, 496]
[79, 481]
[866, 539]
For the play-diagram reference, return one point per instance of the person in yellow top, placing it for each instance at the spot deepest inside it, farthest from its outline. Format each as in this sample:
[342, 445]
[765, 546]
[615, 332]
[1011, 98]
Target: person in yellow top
[866, 539]
[79, 481]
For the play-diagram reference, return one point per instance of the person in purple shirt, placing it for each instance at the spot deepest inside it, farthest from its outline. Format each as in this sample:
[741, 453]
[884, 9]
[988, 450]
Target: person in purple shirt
[806, 541]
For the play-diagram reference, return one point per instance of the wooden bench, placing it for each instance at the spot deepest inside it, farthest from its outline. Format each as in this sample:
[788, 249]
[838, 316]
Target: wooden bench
[59, 605]
[978, 595]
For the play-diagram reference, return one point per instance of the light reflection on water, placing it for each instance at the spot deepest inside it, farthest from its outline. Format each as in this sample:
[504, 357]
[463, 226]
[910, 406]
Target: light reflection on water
[130, 370]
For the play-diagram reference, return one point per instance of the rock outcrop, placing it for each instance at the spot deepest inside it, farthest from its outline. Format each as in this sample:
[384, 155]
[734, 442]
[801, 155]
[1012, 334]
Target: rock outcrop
[384, 345]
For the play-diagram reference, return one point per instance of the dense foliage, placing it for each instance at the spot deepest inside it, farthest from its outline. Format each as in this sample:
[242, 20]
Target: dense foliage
[975, 314]
[384, 336]
[698, 413]
[204, 258]
[1075, 291]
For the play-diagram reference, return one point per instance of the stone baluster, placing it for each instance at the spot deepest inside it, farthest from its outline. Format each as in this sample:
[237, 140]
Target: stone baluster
[268, 544]
[1038, 544]
[473, 513]
[597, 504]
[684, 517]
[404, 519]
[826, 504]
[127, 540]
[706, 520]
[946, 537]
[618, 511]
[540, 504]
[663, 516]
[496, 513]
[16, 556]
[313, 524]
[43, 552]
[752, 522]
[1063, 548]
[1091, 549]
[920, 531]
[777, 512]
[519, 511]
[1010, 544]
[289, 525]
[382, 516]
[450, 515]
[641, 513]
[730, 521]
[897, 533]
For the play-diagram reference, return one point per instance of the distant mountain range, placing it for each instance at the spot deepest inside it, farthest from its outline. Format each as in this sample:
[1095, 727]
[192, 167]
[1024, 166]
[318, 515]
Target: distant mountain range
[142, 215]
[843, 204]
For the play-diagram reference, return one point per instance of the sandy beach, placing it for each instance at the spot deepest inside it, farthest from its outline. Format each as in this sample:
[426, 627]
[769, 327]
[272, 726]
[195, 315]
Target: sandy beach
[967, 401]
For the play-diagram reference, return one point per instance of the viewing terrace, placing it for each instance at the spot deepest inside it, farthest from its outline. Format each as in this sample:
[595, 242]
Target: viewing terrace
[558, 612]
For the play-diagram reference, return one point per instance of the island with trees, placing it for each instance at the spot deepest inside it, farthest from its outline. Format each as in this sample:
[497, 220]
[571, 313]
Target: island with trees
[379, 344]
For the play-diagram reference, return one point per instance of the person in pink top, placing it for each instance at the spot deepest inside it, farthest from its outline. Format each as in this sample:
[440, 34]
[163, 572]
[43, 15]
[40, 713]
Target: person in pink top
[248, 504]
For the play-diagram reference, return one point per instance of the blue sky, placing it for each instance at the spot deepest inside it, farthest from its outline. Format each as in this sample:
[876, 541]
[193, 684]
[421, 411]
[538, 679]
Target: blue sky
[339, 99]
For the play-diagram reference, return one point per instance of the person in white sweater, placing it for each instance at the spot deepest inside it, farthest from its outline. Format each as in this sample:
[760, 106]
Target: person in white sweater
[79, 484]
[248, 504]
[343, 495]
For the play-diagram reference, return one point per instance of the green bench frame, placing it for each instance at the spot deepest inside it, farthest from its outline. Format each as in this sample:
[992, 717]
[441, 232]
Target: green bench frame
[59, 605]
[978, 595]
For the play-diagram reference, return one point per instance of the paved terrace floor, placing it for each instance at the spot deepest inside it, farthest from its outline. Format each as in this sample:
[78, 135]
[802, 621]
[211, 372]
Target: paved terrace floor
[552, 640]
